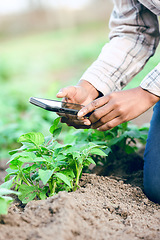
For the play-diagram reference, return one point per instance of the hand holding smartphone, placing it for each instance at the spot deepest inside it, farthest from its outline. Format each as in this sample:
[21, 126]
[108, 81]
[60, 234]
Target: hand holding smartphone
[57, 106]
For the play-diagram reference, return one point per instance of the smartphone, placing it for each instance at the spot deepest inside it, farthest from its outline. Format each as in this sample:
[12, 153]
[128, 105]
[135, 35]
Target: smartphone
[56, 106]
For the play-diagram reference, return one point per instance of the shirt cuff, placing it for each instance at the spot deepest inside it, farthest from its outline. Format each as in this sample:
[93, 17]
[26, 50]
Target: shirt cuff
[98, 79]
[151, 82]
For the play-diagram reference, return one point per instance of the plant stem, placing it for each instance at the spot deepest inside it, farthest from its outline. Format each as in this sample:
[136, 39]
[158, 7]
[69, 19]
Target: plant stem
[52, 187]
[78, 172]
[24, 179]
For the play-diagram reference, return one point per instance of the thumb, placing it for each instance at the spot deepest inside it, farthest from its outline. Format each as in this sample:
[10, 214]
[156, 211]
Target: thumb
[67, 92]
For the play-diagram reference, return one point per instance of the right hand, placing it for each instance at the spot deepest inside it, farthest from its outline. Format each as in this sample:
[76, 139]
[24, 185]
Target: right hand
[83, 94]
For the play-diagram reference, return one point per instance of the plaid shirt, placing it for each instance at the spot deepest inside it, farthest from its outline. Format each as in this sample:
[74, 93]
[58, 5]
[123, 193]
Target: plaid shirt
[134, 37]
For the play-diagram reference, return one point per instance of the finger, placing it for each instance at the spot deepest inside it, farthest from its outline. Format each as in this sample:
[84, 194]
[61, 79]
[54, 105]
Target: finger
[111, 124]
[71, 118]
[73, 122]
[67, 92]
[76, 124]
[107, 118]
[93, 105]
[100, 113]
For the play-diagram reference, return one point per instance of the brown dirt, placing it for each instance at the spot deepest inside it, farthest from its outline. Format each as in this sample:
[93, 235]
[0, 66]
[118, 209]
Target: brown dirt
[105, 207]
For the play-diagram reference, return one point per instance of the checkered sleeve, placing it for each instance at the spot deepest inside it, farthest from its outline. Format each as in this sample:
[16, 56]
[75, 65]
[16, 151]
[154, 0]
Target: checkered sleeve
[134, 37]
[151, 82]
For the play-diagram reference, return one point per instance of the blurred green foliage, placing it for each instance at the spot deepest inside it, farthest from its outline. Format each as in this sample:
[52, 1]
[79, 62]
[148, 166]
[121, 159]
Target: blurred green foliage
[39, 64]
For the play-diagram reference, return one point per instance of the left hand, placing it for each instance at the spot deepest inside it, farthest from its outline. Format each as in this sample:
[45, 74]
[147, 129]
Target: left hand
[118, 107]
[82, 94]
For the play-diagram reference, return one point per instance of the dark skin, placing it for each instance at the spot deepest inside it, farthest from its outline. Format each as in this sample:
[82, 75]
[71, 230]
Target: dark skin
[109, 110]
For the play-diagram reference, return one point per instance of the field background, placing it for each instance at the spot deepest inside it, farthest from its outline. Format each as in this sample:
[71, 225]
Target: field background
[42, 52]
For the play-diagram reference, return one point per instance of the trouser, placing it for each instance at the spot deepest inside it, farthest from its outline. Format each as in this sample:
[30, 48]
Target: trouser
[152, 158]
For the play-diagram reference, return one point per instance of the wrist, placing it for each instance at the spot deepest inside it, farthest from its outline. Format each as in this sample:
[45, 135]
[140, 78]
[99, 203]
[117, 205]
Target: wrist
[151, 97]
[90, 89]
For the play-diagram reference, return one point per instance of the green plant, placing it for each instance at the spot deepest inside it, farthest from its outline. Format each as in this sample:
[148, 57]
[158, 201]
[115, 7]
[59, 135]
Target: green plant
[125, 137]
[5, 201]
[42, 166]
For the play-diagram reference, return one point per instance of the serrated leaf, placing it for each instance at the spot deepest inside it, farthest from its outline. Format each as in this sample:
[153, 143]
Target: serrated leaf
[36, 138]
[64, 178]
[45, 175]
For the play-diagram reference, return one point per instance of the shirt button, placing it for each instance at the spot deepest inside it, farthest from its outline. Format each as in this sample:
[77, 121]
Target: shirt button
[122, 84]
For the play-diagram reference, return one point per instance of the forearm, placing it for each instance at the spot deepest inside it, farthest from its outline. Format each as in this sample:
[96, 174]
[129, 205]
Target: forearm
[132, 43]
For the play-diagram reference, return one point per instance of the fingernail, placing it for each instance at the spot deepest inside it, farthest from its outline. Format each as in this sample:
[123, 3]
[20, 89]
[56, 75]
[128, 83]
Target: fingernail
[80, 113]
[87, 123]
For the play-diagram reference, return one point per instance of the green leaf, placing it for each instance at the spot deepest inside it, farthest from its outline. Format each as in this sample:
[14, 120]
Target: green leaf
[56, 132]
[98, 151]
[54, 126]
[76, 155]
[124, 126]
[90, 160]
[131, 134]
[129, 149]
[36, 138]
[69, 173]
[27, 193]
[43, 193]
[60, 157]
[116, 140]
[45, 175]
[17, 150]
[8, 184]
[40, 159]
[64, 178]
[4, 204]
[5, 191]
[91, 144]
[19, 158]
[11, 172]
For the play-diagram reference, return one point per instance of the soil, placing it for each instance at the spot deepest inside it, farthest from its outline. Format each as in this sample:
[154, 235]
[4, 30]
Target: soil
[110, 205]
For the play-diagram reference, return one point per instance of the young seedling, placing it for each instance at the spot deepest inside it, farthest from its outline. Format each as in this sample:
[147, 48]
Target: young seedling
[42, 166]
